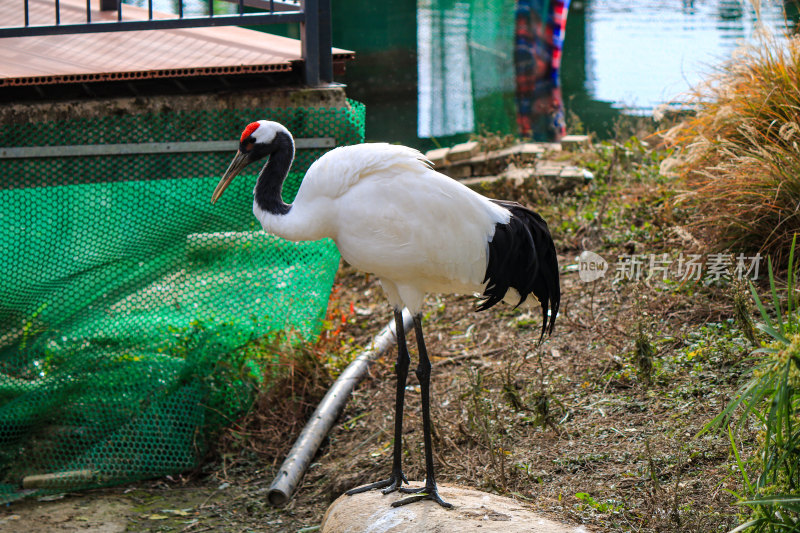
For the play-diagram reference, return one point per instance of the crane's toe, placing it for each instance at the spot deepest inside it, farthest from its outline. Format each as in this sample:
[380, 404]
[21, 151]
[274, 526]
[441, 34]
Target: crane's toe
[422, 493]
[392, 484]
[397, 484]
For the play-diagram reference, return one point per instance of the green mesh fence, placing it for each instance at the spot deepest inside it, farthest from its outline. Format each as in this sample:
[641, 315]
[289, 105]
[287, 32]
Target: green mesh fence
[126, 296]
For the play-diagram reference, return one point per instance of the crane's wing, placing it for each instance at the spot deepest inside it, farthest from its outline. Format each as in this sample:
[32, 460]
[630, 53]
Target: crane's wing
[338, 170]
[392, 215]
[398, 218]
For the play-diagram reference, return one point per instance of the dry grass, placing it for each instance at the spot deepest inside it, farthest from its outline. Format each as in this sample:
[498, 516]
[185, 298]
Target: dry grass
[739, 155]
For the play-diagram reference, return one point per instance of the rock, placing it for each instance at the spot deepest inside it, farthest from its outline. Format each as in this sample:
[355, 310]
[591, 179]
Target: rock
[458, 172]
[525, 152]
[575, 142]
[466, 159]
[479, 183]
[473, 511]
[438, 156]
[463, 151]
[549, 169]
[518, 175]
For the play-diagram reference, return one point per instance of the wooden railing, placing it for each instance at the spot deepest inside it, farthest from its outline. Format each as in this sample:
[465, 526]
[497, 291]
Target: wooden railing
[313, 16]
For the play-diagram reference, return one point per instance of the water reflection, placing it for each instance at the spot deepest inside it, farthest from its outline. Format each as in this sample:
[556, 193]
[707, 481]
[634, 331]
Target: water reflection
[640, 57]
[444, 73]
[617, 56]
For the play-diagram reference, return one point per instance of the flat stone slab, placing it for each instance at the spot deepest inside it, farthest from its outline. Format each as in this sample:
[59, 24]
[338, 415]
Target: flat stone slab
[575, 142]
[463, 151]
[371, 512]
[97, 514]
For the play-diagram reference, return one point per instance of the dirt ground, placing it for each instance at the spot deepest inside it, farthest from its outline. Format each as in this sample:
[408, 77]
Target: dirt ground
[596, 426]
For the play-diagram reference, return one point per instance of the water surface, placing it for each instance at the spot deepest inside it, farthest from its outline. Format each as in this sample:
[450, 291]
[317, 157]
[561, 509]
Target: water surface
[641, 54]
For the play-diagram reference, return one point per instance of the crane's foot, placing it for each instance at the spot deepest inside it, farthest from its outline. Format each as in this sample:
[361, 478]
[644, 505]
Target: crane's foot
[422, 493]
[392, 484]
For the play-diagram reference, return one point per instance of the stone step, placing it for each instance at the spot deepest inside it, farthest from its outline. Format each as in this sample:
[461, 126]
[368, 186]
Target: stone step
[576, 142]
[555, 177]
[471, 153]
[466, 160]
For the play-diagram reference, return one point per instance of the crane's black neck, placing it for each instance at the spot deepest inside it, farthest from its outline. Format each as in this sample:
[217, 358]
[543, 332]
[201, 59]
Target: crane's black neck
[270, 182]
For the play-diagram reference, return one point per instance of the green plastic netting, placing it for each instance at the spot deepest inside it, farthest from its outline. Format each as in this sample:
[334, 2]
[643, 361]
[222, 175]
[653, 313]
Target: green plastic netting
[126, 296]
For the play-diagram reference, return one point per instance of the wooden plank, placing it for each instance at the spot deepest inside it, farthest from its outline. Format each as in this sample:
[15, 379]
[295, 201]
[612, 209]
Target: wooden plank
[134, 54]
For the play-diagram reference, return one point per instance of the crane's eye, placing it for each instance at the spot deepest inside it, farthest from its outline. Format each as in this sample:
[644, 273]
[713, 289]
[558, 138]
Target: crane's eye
[248, 145]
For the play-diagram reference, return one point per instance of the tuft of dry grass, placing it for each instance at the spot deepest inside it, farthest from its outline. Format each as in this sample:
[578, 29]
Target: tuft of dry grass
[739, 156]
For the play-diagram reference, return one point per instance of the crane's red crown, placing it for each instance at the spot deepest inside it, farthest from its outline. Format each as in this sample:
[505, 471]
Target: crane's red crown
[253, 126]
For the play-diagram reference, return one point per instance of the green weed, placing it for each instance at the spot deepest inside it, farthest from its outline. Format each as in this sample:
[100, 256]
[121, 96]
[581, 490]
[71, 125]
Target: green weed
[608, 506]
[771, 400]
[741, 311]
[643, 355]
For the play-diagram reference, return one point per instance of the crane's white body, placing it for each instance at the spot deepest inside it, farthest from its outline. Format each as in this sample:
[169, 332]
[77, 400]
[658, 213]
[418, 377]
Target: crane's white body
[383, 206]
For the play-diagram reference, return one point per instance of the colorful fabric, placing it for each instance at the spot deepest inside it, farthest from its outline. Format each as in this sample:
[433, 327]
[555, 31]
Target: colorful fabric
[538, 41]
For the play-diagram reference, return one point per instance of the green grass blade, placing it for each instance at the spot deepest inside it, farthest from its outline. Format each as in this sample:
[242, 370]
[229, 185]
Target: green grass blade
[772, 332]
[790, 284]
[775, 301]
[761, 309]
[746, 525]
[749, 396]
[790, 501]
[739, 462]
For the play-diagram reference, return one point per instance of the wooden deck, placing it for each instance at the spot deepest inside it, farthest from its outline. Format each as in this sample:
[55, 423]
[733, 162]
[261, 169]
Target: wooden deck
[134, 55]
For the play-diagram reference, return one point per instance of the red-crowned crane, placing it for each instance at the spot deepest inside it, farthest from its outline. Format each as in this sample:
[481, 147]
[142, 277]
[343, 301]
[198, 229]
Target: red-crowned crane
[417, 230]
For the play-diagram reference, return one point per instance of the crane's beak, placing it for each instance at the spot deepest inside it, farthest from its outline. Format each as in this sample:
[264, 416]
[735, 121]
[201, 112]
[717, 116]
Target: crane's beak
[240, 161]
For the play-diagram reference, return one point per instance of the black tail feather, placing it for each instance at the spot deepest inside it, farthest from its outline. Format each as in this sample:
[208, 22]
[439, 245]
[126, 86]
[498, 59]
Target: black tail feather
[522, 256]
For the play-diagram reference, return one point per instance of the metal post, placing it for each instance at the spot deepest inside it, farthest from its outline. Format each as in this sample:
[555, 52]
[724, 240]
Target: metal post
[294, 466]
[309, 41]
[325, 41]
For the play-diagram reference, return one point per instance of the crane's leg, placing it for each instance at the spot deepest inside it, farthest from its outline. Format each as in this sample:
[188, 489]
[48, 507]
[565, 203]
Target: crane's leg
[397, 477]
[429, 491]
